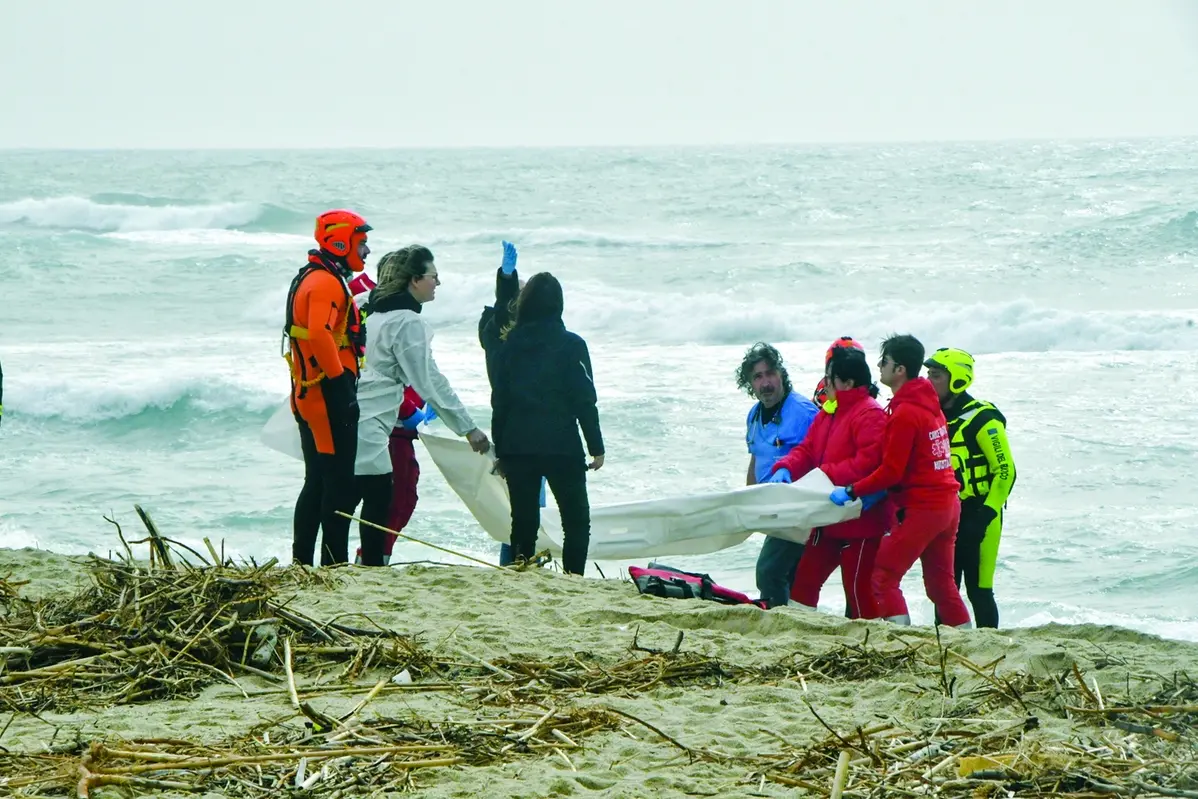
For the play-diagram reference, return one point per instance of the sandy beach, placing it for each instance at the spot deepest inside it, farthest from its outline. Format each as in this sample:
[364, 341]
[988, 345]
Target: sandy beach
[791, 677]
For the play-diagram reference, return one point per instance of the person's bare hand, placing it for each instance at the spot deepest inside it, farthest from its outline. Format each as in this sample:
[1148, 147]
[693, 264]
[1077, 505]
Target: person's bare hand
[478, 441]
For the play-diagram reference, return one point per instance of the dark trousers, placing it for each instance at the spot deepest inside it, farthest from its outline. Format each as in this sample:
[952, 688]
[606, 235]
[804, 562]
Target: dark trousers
[567, 478]
[505, 549]
[777, 564]
[374, 490]
[328, 488]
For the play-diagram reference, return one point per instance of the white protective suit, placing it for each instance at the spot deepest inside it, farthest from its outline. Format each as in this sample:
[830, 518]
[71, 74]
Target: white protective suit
[398, 354]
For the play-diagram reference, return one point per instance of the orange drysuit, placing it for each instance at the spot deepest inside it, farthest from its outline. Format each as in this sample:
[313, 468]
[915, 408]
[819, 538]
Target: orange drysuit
[326, 340]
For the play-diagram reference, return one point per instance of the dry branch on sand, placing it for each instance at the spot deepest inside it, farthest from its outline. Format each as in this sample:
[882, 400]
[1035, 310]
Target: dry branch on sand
[149, 631]
[170, 627]
[955, 756]
[348, 757]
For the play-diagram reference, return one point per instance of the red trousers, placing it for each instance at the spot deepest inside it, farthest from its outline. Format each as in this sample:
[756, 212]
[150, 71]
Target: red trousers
[929, 536]
[405, 474]
[854, 556]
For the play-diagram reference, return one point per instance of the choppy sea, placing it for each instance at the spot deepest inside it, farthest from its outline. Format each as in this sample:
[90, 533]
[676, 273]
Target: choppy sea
[143, 296]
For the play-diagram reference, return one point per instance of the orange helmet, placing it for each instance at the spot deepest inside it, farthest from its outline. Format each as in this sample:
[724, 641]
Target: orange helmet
[843, 341]
[340, 232]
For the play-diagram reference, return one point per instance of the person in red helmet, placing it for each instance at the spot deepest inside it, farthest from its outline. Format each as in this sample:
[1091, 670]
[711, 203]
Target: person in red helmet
[917, 470]
[820, 395]
[845, 442]
[323, 342]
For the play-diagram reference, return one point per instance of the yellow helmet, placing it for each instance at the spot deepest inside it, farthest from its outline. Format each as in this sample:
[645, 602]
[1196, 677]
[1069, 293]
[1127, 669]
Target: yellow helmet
[958, 364]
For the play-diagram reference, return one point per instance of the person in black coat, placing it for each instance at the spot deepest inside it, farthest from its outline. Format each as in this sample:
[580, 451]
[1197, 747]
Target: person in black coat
[491, 324]
[498, 317]
[542, 391]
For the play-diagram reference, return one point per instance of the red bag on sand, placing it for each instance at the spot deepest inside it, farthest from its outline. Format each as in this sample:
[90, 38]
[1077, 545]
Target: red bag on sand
[664, 581]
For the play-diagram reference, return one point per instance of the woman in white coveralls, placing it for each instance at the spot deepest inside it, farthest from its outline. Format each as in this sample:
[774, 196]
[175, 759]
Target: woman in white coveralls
[398, 354]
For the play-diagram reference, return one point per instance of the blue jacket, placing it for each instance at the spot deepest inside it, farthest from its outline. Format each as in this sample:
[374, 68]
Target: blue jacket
[769, 442]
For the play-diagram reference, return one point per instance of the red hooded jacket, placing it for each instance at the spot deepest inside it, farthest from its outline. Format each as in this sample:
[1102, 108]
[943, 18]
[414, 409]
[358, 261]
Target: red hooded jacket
[917, 466]
[846, 445]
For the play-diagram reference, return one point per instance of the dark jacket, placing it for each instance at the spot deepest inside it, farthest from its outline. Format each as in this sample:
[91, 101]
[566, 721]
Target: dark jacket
[542, 391]
[496, 317]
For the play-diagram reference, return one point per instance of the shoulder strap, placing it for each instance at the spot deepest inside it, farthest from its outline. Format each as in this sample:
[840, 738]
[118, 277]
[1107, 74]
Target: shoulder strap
[303, 272]
[296, 365]
[984, 414]
[353, 330]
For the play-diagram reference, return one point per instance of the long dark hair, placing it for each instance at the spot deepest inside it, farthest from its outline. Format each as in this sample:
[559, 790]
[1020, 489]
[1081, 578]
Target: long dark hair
[541, 299]
[850, 364]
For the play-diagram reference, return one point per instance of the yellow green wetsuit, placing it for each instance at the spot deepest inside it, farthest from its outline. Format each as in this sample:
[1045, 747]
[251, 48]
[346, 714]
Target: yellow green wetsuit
[986, 472]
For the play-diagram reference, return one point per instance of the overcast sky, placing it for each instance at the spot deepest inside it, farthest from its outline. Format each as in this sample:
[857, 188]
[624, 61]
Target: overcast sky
[298, 73]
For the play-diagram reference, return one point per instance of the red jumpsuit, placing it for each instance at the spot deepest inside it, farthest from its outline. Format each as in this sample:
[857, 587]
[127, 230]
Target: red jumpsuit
[846, 444]
[917, 468]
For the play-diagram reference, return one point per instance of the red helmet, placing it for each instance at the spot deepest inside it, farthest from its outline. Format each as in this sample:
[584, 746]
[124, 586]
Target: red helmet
[340, 232]
[821, 392]
[843, 341]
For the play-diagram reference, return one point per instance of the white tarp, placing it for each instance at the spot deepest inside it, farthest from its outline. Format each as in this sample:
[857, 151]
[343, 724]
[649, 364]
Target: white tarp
[697, 524]
[281, 433]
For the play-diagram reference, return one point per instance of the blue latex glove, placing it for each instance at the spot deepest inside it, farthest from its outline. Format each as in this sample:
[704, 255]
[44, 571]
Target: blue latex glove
[542, 492]
[430, 413]
[780, 476]
[869, 501]
[416, 418]
[509, 258]
[840, 497]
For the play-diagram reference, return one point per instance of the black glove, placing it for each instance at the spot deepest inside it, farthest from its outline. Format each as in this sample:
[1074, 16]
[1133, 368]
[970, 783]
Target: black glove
[341, 398]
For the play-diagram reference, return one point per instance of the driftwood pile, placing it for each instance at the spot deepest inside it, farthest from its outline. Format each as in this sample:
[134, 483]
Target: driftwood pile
[184, 621]
[168, 629]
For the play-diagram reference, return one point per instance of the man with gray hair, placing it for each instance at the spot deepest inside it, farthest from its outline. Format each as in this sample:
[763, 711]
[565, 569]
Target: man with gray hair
[776, 423]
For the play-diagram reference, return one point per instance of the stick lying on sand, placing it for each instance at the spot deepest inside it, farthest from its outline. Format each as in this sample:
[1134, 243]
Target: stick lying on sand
[418, 541]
